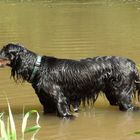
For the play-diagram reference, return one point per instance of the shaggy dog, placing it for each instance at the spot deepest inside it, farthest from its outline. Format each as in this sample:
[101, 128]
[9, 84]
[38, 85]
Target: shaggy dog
[60, 83]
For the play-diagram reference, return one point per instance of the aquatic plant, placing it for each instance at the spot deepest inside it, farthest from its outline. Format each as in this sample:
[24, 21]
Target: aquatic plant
[8, 128]
[137, 132]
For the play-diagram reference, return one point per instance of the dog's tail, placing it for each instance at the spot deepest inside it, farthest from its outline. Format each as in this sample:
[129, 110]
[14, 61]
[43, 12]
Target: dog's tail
[137, 82]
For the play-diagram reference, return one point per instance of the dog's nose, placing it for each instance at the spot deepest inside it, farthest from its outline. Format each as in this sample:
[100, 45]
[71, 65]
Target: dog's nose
[3, 61]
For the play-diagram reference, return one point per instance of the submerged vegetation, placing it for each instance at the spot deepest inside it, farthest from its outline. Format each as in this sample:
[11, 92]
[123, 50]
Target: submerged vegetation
[8, 129]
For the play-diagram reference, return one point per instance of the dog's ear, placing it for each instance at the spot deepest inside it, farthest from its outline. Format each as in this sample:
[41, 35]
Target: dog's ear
[13, 55]
[16, 60]
[16, 64]
[22, 48]
[16, 54]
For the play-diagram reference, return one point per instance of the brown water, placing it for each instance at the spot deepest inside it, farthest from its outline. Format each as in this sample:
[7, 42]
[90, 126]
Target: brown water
[71, 29]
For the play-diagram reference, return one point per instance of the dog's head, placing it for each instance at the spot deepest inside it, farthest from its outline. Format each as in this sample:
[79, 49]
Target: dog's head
[10, 53]
[20, 59]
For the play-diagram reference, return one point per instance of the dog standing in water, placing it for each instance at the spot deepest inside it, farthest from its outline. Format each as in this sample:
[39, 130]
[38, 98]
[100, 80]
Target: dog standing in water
[60, 83]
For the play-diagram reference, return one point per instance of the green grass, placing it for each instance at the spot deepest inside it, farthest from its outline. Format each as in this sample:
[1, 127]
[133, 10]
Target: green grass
[8, 128]
[137, 132]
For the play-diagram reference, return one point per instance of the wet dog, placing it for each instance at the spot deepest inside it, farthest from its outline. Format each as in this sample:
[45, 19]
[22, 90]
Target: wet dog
[60, 83]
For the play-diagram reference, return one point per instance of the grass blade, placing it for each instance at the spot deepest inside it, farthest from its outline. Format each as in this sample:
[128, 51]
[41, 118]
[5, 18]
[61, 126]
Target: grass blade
[8, 128]
[8, 132]
[31, 129]
[137, 132]
[12, 124]
[3, 130]
[33, 137]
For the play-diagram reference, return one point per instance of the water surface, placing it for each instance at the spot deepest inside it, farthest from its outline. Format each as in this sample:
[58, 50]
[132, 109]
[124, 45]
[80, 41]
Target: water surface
[71, 29]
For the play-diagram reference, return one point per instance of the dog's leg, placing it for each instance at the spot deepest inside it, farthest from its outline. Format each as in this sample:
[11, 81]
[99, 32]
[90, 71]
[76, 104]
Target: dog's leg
[61, 102]
[111, 98]
[75, 105]
[48, 104]
[110, 95]
[75, 102]
[94, 96]
[124, 99]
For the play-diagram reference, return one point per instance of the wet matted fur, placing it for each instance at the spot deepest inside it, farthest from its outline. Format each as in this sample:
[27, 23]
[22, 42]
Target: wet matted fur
[60, 83]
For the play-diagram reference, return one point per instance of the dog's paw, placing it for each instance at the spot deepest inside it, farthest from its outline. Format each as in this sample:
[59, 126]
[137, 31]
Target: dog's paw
[69, 117]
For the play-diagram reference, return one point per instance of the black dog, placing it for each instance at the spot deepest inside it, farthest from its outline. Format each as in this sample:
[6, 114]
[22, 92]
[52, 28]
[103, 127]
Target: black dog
[60, 83]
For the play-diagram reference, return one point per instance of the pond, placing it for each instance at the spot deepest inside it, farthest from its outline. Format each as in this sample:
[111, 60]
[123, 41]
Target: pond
[71, 29]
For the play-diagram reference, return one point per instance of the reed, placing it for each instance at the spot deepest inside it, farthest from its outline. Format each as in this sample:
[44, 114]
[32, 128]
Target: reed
[8, 129]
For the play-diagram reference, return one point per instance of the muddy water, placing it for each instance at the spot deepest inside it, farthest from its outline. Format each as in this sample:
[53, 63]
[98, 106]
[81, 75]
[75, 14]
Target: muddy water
[71, 29]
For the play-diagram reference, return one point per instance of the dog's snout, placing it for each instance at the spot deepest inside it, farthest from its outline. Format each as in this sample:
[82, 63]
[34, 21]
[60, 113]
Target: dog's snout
[3, 60]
